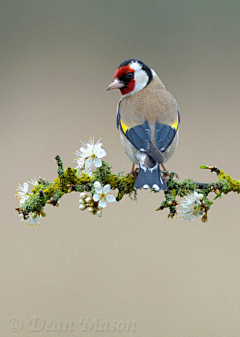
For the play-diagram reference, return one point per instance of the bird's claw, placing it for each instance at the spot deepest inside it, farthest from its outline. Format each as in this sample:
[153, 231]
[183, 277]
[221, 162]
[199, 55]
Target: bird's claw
[134, 172]
[169, 175]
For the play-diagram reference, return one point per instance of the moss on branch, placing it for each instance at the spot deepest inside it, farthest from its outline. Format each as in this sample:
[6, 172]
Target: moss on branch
[69, 180]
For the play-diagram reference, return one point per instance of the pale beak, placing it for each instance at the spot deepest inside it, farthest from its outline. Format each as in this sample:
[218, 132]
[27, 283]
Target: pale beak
[115, 84]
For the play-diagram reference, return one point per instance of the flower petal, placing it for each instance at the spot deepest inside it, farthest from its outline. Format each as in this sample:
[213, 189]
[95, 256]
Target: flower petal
[88, 163]
[89, 149]
[100, 152]
[98, 162]
[106, 188]
[96, 197]
[80, 163]
[25, 187]
[97, 184]
[110, 198]
[83, 152]
[102, 203]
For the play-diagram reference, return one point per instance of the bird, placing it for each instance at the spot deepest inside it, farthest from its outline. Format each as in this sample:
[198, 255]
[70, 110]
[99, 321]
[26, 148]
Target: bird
[148, 118]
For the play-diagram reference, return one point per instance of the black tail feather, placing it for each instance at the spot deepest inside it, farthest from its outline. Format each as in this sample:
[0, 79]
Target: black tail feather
[150, 177]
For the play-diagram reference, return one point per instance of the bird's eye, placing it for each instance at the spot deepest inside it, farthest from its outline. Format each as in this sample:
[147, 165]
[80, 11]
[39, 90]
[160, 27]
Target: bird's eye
[129, 76]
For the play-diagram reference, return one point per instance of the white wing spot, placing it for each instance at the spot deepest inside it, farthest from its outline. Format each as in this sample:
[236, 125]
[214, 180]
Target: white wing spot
[156, 187]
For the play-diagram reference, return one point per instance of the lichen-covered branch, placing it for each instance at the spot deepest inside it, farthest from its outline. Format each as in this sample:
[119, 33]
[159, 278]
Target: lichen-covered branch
[196, 194]
[97, 188]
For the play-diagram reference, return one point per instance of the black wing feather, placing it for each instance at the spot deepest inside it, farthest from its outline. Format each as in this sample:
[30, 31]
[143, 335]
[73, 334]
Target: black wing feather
[164, 135]
[140, 136]
[118, 119]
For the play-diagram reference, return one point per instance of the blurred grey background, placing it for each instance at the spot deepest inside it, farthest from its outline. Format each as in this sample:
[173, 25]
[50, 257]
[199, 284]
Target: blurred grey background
[169, 277]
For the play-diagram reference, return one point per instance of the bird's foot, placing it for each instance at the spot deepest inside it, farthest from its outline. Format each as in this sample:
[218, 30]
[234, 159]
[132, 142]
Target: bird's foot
[168, 175]
[134, 172]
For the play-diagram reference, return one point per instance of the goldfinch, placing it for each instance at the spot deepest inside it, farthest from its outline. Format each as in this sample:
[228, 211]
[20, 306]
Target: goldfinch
[148, 118]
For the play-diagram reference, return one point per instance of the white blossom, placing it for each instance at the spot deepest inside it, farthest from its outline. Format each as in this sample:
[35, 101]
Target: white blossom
[23, 190]
[89, 155]
[191, 206]
[22, 193]
[103, 194]
[32, 220]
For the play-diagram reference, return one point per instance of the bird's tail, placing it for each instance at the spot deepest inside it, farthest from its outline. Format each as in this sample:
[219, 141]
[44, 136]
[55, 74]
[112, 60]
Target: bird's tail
[150, 177]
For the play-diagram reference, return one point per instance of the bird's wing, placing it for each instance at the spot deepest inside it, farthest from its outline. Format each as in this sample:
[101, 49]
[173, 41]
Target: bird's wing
[140, 137]
[164, 134]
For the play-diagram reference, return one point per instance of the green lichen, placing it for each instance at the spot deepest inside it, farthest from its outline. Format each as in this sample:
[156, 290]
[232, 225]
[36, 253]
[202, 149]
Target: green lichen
[69, 180]
[102, 173]
[125, 185]
[228, 183]
[36, 202]
[113, 180]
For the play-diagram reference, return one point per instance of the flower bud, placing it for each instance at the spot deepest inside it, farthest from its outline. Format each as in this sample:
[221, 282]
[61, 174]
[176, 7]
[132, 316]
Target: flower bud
[200, 196]
[90, 209]
[82, 207]
[204, 218]
[99, 213]
[89, 200]
[83, 195]
[81, 201]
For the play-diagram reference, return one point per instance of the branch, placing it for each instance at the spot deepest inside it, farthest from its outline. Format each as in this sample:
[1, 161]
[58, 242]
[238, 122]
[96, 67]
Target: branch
[97, 189]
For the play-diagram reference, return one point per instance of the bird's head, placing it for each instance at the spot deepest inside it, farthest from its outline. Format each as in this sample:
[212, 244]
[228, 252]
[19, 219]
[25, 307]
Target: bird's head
[131, 76]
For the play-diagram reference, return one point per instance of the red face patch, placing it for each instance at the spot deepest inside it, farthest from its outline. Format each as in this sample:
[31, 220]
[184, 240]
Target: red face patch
[122, 71]
[130, 85]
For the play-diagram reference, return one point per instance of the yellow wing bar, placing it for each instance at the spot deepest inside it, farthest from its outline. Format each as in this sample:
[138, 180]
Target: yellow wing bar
[124, 127]
[175, 125]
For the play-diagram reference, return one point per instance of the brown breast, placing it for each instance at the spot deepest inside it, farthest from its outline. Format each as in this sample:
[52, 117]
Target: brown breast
[154, 104]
